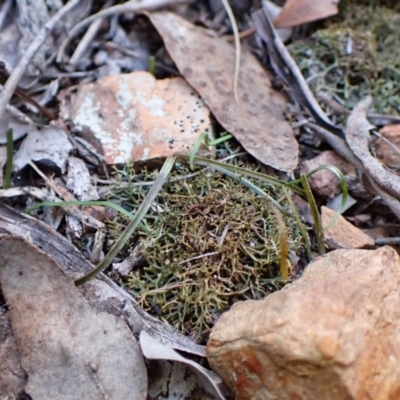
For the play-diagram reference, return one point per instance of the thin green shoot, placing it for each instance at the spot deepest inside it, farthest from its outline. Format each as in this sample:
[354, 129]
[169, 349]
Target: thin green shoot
[102, 203]
[205, 162]
[10, 151]
[134, 223]
[206, 139]
[152, 65]
[319, 234]
[300, 224]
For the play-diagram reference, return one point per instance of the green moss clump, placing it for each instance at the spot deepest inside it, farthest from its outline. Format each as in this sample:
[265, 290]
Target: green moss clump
[356, 55]
[208, 242]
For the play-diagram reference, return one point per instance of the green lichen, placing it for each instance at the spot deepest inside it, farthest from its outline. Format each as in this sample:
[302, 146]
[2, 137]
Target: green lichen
[208, 242]
[354, 56]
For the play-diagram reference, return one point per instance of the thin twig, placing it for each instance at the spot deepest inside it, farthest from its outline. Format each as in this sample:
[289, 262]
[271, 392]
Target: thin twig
[130, 6]
[23, 63]
[88, 37]
[236, 36]
[387, 240]
[199, 257]
[6, 7]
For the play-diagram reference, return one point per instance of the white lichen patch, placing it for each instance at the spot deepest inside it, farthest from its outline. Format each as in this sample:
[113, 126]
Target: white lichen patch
[136, 117]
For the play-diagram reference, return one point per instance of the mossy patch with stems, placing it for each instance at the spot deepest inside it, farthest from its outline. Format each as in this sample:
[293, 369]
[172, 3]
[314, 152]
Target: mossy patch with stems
[354, 56]
[208, 242]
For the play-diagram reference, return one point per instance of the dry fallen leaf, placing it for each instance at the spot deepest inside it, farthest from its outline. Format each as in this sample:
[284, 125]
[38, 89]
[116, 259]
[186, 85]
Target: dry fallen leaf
[48, 144]
[208, 64]
[298, 12]
[12, 377]
[68, 349]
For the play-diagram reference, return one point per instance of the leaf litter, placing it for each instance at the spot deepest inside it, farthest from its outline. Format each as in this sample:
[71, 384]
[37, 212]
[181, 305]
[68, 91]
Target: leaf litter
[68, 349]
[207, 63]
[259, 121]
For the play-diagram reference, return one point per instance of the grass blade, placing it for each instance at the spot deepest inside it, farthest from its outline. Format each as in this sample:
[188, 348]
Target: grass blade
[141, 212]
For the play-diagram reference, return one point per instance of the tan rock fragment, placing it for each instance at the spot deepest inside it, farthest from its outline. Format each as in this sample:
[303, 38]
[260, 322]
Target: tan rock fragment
[386, 153]
[334, 334]
[136, 117]
[325, 183]
[342, 234]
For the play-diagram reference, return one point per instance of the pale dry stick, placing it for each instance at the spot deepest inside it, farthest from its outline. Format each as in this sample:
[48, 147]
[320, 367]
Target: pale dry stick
[5, 9]
[391, 201]
[386, 240]
[236, 36]
[23, 63]
[130, 6]
[65, 195]
[357, 137]
[199, 257]
[338, 144]
[286, 68]
[88, 37]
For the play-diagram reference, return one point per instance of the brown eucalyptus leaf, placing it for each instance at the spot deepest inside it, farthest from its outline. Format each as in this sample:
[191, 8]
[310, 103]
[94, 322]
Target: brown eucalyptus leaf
[208, 64]
[68, 349]
[298, 12]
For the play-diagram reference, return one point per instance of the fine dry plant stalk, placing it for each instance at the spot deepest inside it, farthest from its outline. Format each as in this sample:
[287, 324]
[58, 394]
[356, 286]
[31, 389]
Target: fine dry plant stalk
[10, 149]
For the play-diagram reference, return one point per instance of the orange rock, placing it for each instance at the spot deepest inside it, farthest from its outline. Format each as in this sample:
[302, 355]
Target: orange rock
[136, 117]
[342, 234]
[333, 334]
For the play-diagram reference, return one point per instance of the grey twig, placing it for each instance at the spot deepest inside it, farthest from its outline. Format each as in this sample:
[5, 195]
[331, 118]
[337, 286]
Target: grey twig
[130, 6]
[23, 63]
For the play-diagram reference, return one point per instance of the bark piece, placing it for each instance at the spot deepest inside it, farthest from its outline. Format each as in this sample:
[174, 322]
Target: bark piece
[101, 292]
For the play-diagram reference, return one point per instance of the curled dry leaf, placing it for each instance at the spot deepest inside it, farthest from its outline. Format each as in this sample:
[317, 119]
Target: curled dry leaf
[208, 64]
[298, 12]
[68, 349]
[155, 350]
[48, 144]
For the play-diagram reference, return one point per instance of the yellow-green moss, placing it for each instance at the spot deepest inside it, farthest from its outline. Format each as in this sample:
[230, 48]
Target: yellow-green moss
[208, 242]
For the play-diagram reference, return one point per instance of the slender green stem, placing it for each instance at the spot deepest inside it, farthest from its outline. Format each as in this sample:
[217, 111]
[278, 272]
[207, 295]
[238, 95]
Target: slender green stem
[205, 162]
[300, 224]
[81, 203]
[10, 145]
[204, 137]
[152, 65]
[133, 224]
[319, 233]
